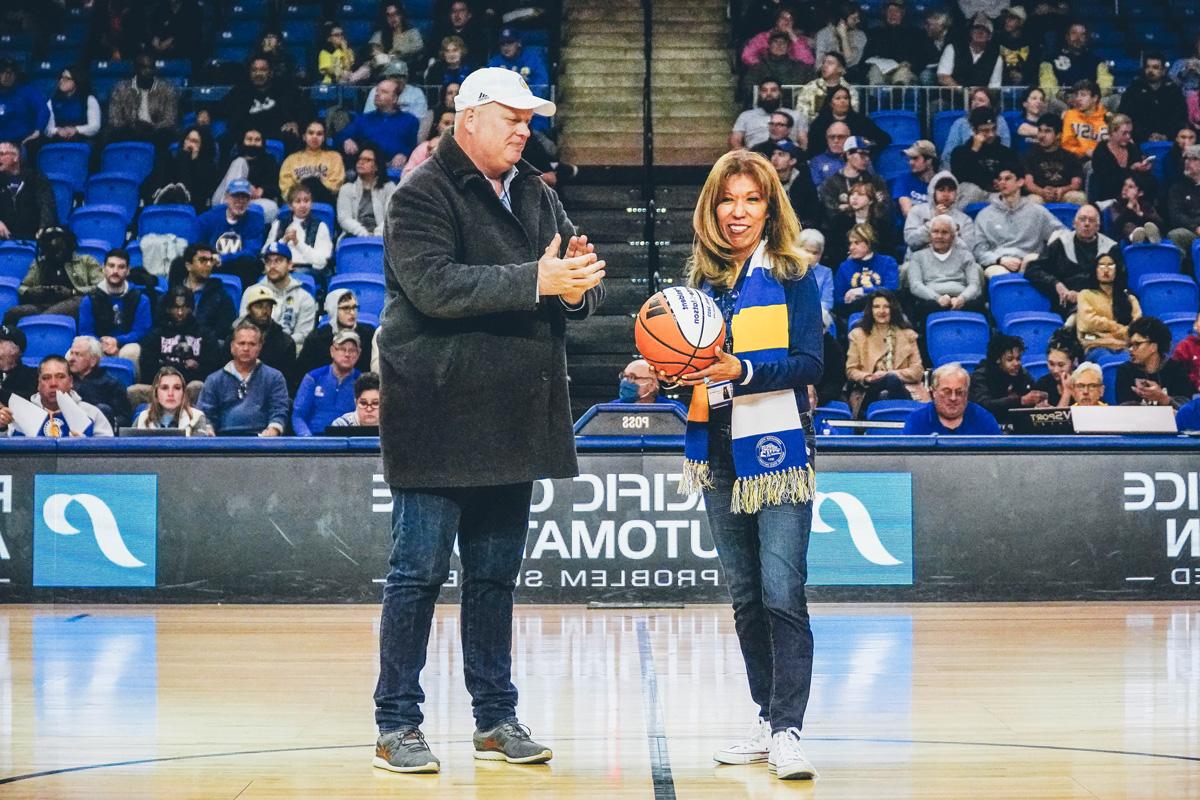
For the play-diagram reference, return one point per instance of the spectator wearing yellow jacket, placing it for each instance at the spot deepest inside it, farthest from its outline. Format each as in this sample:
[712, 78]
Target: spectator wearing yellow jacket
[1085, 125]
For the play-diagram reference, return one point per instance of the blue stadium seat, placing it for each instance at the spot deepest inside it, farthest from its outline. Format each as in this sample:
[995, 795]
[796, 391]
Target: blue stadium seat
[891, 410]
[275, 149]
[135, 255]
[1065, 212]
[360, 254]
[233, 287]
[241, 31]
[115, 189]
[420, 9]
[135, 159]
[1159, 150]
[231, 53]
[310, 283]
[1034, 327]
[95, 248]
[853, 320]
[9, 295]
[957, 336]
[358, 10]
[325, 213]
[120, 368]
[1013, 118]
[358, 30]
[972, 210]
[836, 410]
[300, 31]
[177, 219]
[324, 95]
[1013, 294]
[903, 126]
[64, 197]
[103, 222]
[1151, 259]
[47, 334]
[1180, 325]
[15, 258]
[309, 12]
[249, 10]
[369, 289]
[112, 69]
[943, 121]
[1037, 368]
[1109, 370]
[1161, 295]
[68, 159]
[892, 163]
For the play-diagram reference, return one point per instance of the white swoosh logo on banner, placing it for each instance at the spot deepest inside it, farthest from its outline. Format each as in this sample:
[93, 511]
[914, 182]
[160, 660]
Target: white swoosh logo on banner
[862, 527]
[104, 525]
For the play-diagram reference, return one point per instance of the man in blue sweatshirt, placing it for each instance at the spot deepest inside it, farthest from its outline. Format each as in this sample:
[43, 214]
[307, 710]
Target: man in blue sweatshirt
[235, 233]
[246, 396]
[116, 313]
[950, 413]
[327, 392]
[23, 109]
[395, 131]
[530, 66]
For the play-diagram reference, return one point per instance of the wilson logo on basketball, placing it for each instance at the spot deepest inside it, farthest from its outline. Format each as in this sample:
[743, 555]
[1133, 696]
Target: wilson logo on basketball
[678, 330]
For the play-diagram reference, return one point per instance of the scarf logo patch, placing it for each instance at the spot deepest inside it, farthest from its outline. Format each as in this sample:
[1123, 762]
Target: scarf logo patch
[770, 451]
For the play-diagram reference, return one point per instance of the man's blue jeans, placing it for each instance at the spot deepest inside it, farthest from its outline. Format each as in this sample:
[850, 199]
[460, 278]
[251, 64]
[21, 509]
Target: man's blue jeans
[491, 523]
[765, 558]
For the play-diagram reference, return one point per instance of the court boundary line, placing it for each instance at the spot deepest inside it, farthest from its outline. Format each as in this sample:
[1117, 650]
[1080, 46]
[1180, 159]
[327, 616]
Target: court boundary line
[367, 746]
[656, 734]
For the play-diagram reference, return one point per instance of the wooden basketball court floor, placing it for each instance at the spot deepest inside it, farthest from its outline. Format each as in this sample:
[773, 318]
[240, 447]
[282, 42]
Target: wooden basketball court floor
[909, 701]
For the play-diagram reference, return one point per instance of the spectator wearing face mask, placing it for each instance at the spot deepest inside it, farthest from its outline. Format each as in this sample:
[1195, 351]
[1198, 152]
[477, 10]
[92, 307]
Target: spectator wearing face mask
[640, 385]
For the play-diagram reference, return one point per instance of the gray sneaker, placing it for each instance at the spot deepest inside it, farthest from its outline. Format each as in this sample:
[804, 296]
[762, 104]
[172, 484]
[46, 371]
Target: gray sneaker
[509, 741]
[1153, 234]
[405, 751]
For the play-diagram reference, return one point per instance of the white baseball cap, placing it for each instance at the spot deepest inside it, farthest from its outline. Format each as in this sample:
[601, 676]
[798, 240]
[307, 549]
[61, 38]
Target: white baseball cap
[503, 86]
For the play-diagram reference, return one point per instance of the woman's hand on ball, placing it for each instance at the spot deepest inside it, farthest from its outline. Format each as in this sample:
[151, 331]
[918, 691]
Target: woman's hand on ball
[727, 368]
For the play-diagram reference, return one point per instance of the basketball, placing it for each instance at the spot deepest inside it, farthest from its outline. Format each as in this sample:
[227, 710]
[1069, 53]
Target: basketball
[678, 331]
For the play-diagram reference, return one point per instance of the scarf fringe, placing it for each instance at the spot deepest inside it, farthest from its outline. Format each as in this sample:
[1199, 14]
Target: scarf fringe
[795, 485]
[696, 477]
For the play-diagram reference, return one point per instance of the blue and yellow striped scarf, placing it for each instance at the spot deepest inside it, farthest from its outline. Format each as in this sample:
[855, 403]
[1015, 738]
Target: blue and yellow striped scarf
[769, 450]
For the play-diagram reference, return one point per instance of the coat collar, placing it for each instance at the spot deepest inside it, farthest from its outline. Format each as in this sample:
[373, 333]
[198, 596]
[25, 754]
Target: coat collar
[452, 158]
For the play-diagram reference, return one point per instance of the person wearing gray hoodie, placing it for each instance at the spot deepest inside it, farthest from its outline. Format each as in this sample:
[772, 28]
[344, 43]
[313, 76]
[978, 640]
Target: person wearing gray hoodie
[943, 199]
[295, 309]
[1012, 229]
[944, 276]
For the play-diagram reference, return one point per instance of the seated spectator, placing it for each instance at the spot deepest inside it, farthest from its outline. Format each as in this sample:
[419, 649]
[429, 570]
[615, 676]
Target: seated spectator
[780, 128]
[395, 40]
[270, 46]
[1154, 102]
[327, 392]
[115, 312]
[822, 167]
[1116, 159]
[978, 163]
[335, 61]
[1068, 262]
[16, 377]
[1185, 71]
[1019, 49]
[639, 384]
[1033, 108]
[893, 52]
[935, 35]
[394, 131]
[74, 112]
[188, 176]
[94, 384]
[837, 108]
[306, 236]
[458, 21]
[319, 169]
[863, 273]
[117, 30]
[950, 413]
[1106, 307]
[977, 63]
[778, 60]
[1075, 62]
[813, 242]
[943, 194]
[274, 108]
[295, 309]
[1134, 217]
[144, 108]
[530, 66]
[246, 396]
[944, 276]
[1011, 230]
[751, 127]
[178, 342]
[451, 65]
[54, 376]
[811, 96]
[1188, 416]
[1000, 383]
[57, 279]
[234, 233]
[366, 404]
[960, 132]
[786, 157]
[260, 169]
[862, 209]
[763, 48]
[362, 203]
[170, 407]
[913, 187]
[842, 35]
[211, 304]
[25, 110]
[411, 98]
[1150, 377]
[1084, 124]
[1052, 173]
[1173, 171]
[278, 350]
[1186, 352]
[1062, 357]
[883, 360]
[1087, 385]
[1183, 203]
[835, 191]
[26, 197]
[341, 307]
[443, 125]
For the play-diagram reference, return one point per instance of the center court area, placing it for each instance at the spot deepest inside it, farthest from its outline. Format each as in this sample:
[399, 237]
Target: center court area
[909, 701]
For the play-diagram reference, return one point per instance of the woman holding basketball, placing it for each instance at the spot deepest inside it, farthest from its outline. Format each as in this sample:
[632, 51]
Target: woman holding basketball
[753, 456]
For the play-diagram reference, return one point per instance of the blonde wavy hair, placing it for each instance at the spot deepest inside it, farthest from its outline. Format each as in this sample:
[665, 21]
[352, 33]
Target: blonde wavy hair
[712, 256]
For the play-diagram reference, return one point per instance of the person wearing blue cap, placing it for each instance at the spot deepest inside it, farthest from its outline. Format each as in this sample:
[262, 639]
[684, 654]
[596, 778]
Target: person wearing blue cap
[295, 309]
[235, 235]
[792, 168]
[513, 57]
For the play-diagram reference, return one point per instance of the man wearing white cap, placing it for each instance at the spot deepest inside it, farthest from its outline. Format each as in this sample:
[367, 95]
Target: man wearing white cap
[474, 403]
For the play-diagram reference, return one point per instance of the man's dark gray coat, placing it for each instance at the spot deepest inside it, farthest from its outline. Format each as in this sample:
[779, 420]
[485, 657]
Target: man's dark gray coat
[474, 365]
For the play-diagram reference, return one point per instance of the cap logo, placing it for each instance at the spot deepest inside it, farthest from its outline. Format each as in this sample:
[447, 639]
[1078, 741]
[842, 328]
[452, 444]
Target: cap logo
[484, 96]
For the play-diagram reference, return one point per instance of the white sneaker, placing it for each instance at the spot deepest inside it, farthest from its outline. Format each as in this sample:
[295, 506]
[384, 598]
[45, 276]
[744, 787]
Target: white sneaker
[787, 759]
[751, 750]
